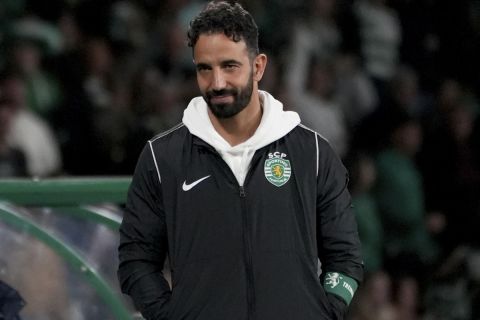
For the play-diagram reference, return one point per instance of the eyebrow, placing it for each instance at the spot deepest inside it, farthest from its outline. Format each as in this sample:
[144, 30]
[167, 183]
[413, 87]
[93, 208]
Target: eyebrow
[231, 61]
[223, 63]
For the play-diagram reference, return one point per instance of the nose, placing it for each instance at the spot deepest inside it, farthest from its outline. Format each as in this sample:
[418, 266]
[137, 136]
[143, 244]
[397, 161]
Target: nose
[218, 81]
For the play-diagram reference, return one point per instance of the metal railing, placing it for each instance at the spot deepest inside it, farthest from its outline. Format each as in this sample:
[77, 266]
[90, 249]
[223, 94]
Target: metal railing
[73, 196]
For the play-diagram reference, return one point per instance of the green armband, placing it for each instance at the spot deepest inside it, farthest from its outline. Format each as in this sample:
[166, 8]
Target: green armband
[340, 285]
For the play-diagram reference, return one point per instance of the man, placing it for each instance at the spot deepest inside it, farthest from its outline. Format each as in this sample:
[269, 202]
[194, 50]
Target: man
[243, 199]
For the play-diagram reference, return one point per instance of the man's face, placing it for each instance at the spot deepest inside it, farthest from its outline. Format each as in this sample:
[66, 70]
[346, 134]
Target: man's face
[224, 74]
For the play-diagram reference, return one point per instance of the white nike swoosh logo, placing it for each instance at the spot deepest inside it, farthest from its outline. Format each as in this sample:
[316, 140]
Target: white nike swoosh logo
[187, 187]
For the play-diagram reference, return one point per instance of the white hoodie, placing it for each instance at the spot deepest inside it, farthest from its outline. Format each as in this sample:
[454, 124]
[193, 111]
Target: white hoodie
[275, 124]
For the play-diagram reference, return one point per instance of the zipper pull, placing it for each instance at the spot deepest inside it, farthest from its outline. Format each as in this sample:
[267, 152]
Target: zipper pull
[242, 192]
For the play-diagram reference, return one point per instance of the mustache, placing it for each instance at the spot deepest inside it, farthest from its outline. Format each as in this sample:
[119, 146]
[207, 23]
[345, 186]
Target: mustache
[222, 92]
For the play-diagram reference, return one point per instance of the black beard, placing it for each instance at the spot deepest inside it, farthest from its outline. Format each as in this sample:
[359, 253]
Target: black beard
[241, 98]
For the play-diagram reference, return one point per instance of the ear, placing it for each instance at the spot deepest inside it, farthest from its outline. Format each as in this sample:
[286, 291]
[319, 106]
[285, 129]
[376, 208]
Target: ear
[259, 65]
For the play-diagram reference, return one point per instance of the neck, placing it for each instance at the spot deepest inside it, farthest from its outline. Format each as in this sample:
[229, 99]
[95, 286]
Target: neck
[242, 126]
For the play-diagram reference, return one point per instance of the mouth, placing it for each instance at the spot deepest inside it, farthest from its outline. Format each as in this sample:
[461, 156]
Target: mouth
[221, 99]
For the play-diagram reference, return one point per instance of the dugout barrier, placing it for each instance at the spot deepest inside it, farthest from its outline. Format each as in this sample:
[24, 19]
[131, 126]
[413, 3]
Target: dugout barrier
[74, 223]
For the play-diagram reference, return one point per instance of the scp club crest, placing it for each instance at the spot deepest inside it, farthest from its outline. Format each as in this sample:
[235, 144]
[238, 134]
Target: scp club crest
[277, 169]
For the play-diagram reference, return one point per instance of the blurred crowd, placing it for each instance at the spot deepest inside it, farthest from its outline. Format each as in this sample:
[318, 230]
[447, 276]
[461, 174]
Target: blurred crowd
[394, 85]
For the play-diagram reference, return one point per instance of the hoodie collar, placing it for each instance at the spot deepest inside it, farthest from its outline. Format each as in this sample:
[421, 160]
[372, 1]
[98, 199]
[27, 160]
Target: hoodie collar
[275, 124]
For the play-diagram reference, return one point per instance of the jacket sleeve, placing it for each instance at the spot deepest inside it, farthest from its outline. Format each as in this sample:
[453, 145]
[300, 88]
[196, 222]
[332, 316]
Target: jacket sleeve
[337, 235]
[143, 242]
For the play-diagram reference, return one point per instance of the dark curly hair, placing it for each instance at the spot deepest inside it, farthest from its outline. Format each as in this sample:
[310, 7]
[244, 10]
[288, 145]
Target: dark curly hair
[230, 19]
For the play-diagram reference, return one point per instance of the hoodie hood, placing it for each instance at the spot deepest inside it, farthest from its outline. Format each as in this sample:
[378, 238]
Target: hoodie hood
[275, 124]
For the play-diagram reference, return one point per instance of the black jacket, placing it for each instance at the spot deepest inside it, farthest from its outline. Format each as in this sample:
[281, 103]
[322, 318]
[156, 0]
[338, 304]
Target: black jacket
[238, 252]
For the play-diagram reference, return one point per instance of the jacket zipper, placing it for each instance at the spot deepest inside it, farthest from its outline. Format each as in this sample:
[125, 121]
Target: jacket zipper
[248, 256]
[247, 253]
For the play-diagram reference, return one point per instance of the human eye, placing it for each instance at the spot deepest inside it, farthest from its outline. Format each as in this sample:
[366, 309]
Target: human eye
[202, 68]
[230, 66]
